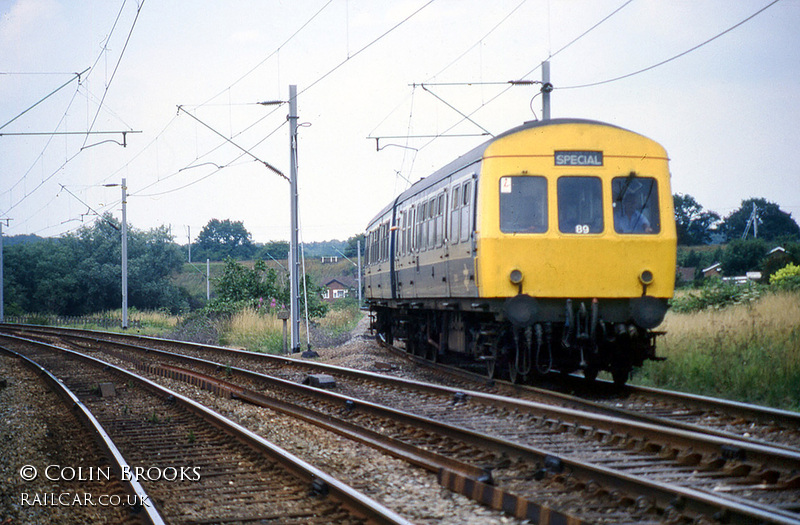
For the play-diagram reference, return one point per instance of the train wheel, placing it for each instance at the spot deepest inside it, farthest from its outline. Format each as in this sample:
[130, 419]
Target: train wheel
[491, 360]
[620, 375]
[432, 352]
[590, 373]
[386, 336]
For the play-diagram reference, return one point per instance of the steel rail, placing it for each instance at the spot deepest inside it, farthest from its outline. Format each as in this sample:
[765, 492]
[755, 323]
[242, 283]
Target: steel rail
[763, 414]
[346, 495]
[697, 440]
[465, 478]
[664, 494]
[118, 462]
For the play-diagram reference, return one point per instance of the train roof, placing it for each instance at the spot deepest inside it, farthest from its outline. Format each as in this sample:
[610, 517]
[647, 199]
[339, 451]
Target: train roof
[476, 154]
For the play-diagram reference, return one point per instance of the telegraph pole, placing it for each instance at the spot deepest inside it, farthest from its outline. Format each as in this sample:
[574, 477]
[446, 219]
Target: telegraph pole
[124, 255]
[2, 301]
[547, 87]
[358, 244]
[294, 260]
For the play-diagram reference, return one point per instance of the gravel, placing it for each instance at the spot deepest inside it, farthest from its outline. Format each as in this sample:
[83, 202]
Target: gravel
[26, 412]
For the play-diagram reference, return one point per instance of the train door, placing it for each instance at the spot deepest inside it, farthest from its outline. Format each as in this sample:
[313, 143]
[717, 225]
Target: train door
[461, 265]
[446, 212]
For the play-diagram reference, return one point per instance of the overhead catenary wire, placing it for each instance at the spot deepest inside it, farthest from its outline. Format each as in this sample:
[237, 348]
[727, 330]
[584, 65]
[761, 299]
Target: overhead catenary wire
[248, 152]
[291, 37]
[675, 57]
[56, 90]
[509, 84]
[116, 67]
[69, 158]
[365, 47]
[167, 126]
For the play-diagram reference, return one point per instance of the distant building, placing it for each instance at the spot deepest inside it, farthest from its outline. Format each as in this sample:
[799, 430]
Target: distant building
[715, 270]
[337, 289]
[330, 259]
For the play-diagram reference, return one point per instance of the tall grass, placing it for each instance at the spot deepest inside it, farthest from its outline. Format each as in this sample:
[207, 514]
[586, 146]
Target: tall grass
[254, 330]
[145, 322]
[748, 352]
[262, 331]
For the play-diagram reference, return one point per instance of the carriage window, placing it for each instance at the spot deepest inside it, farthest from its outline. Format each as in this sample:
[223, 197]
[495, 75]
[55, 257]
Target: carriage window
[440, 215]
[523, 204]
[399, 244]
[454, 215]
[635, 201]
[466, 209]
[420, 221]
[432, 213]
[580, 205]
[412, 230]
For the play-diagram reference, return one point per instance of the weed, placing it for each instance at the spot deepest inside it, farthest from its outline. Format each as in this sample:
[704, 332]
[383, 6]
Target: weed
[748, 351]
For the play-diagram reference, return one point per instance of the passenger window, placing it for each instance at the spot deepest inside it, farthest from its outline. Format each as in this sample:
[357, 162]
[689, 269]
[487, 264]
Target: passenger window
[454, 216]
[412, 233]
[580, 205]
[440, 214]
[523, 204]
[466, 195]
[635, 201]
[432, 212]
[400, 240]
[422, 228]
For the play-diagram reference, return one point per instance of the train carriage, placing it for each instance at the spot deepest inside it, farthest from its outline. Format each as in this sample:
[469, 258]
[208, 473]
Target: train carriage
[551, 246]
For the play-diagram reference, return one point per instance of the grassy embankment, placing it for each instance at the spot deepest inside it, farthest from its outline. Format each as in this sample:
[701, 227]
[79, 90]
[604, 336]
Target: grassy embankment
[748, 352]
[248, 329]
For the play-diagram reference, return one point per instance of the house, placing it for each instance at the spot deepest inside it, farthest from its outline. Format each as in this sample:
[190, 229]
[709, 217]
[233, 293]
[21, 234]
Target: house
[336, 289]
[715, 270]
[330, 259]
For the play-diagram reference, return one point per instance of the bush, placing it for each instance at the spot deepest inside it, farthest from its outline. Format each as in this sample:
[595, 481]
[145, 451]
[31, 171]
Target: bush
[787, 278]
[716, 294]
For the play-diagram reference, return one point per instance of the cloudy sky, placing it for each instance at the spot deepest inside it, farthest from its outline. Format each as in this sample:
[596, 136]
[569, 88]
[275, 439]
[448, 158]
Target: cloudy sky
[727, 112]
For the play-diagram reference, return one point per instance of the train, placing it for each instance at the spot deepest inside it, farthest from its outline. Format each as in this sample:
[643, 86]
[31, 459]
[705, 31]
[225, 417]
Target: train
[549, 248]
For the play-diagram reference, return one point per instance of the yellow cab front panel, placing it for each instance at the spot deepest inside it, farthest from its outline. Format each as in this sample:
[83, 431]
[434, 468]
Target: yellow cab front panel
[551, 217]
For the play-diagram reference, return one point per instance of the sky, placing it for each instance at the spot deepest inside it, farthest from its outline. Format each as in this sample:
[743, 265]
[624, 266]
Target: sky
[185, 80]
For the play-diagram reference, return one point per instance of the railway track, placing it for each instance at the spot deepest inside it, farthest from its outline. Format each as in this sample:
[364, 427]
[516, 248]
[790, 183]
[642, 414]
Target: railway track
[197, 466]
[672, 471]
[39, 477]
[723, 418]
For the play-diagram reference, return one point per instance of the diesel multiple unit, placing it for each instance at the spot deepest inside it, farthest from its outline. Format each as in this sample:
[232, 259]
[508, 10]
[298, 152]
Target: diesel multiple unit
[551, 246]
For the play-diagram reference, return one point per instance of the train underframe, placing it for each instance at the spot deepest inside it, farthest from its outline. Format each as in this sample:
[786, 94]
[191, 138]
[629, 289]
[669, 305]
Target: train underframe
[558, 335]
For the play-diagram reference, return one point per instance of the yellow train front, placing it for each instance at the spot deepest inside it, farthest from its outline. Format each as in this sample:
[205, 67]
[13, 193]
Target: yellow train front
[549, 247]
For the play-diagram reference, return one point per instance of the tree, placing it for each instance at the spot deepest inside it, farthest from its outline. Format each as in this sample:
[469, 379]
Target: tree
[81, 273]
[742, 256]
[351, 250]
[278, 250]
[242, 286]
[239, 283]
[691, 221]
[773, 223]
[220, 239]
